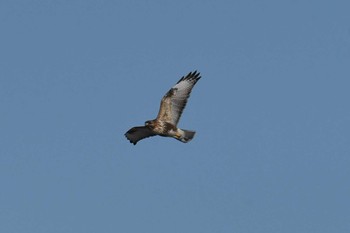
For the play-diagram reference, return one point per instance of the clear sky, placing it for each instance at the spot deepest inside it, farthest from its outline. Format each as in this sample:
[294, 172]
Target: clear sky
[272, 115]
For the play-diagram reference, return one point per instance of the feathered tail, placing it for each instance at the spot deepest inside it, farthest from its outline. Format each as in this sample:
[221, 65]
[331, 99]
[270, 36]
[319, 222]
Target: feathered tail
[186, 135]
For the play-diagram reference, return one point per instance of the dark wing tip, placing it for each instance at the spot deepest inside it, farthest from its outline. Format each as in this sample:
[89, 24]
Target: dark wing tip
[130, 131]
[192, 76]
[138, 133]
[126, 135]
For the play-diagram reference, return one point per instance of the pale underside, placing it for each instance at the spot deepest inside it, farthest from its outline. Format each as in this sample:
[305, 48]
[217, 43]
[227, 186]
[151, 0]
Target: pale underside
[171, 108]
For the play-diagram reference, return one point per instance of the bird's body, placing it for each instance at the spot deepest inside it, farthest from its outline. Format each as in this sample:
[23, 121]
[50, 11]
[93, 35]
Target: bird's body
[171, 108]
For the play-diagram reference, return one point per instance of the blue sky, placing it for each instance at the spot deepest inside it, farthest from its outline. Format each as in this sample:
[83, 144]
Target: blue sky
[271, 111]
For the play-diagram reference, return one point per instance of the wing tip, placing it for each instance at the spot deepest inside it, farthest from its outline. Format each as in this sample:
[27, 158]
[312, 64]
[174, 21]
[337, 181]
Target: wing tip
[132, 142]
[191, 76]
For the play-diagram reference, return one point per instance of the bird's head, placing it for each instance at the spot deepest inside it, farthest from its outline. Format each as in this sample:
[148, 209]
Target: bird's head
[150, 124]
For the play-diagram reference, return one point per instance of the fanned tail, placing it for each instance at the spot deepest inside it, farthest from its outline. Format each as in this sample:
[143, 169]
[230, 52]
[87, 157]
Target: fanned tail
[186, 135]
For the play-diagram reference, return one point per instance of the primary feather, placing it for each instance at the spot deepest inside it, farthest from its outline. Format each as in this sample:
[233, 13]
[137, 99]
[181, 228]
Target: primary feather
[171, 108]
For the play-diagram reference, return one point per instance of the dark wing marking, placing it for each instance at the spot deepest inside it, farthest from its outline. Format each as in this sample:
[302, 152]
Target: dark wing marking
[136, 134]
[175, 100]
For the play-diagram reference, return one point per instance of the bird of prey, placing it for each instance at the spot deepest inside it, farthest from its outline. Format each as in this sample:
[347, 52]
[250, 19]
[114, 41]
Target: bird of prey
[171, 107]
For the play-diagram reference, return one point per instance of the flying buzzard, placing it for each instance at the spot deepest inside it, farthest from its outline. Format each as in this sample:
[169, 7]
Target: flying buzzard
[171, 107]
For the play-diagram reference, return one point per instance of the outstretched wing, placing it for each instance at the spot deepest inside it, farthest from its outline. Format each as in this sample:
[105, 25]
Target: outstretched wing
[136, 134]
[174, 101]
